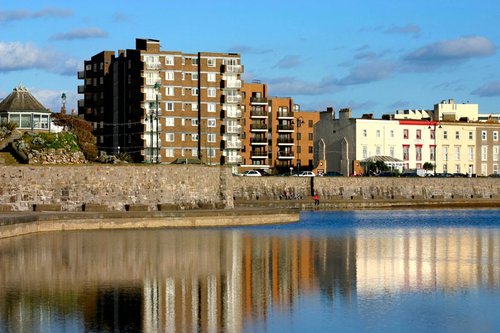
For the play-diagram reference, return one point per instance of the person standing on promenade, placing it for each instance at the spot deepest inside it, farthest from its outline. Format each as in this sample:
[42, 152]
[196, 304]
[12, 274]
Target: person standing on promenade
[316, 198]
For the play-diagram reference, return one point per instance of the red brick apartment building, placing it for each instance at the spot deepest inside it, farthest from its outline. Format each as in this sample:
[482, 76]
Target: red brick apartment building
[162, 106]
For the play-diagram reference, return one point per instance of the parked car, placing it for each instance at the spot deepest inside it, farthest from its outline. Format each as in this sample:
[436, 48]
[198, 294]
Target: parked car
[306, 174]
[251, 173]
[331, 174]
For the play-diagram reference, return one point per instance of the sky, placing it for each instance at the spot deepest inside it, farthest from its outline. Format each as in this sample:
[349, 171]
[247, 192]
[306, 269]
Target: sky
[372, 56]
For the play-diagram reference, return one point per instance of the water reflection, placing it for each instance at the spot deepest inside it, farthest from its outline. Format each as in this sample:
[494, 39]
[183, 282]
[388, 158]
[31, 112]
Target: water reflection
[228, 279]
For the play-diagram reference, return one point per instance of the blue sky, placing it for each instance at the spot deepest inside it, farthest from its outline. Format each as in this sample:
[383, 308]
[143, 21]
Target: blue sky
[372, 56]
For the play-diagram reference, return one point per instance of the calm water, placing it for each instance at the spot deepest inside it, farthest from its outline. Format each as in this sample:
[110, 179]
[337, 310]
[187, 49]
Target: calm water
[359, 271]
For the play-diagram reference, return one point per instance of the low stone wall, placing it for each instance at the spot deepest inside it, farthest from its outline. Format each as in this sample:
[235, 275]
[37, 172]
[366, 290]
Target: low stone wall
[95, 187]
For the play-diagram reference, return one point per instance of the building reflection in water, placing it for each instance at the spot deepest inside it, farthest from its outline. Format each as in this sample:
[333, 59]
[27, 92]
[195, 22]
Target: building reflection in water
[213, 280]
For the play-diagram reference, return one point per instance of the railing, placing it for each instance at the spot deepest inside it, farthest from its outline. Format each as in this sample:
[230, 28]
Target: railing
[258, 140]
[234, 159]
[231, 84]
[232, 99]
[234, 114]
[233, 144]
[233, 129]
[258, 154]
[258, 126]
[286, 154]
[285, 115]
[81, 75]
[81, 89]
[286, 140]
[258, 114]
[258, 100]
[153, 65]
[232, 69]
[285, 127]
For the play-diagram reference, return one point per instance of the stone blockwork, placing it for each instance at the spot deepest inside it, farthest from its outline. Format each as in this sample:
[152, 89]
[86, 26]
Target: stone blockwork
[115, 186]
[167, 187]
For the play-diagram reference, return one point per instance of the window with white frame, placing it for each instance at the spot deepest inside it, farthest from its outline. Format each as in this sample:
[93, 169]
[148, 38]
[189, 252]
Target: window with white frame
[169, 137]
[194, 137]
[211, 92]
[418, 134]
[457, 135]
[194, 76]
[183, 121]
[211, 152]
[194, 152]
[183, 76]
[495, 169]
[471, 136]
[365, 151]
[183, 136]
[484, 153]
[445, 153]
[457, 153]
[405, 133]
[211, 62]
[378, 150]
[169, 91]
[377, 133]
[169, 121]
[211, 122]
[495, 135]
[194, 91]
[496, 150]
[183, 152]
[211, 137]
[365, 134]
[194, 61]
[169, 106]
[194, 122]
[391, 133]
[169, 152]
[211, 107]
[211, 77]
[471, 153]
[457, 168]
[484, 135]
[169, 76]
[194, 106]
[445, 134]
[391, 151]
[169, 60]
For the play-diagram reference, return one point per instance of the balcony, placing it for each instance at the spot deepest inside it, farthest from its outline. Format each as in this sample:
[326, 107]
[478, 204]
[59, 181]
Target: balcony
[81, 89]
[258, 100]
[233, 84]
[285, 141]
[81, 75]
[288, 115]
[81, 103]
[153, 65]
[285, 155]
[258, 127]
[233, 145]
[233, 159]
[258, 141]
[231, 99]
[235, 114]
[236, 69]
[233, 129]
[258, 154]
[258, 114]
[285, 128]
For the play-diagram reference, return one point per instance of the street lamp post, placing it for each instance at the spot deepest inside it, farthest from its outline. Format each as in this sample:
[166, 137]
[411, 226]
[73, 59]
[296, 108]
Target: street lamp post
[300, 121]
[434, 126]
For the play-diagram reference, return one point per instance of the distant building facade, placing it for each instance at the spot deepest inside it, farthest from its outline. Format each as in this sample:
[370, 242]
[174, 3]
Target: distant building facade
[160, 106]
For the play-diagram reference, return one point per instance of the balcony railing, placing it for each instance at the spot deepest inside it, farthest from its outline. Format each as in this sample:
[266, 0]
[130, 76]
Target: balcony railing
[81, 103]
[233, 114]
[285, 115]
[285, 127]
[259, 153]
[232, 98]
[234, 84]
[258, 114]
[258, 100]
[153, 65]
[233, 129]
[232, 69]
[81, 75]
[285, 154]
[258, 126]
[285, 140]
[233, 159]
[233, 144]
[81, 89]
[258, 140]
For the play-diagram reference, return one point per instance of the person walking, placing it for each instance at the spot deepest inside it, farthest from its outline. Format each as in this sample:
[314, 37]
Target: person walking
[316, 198]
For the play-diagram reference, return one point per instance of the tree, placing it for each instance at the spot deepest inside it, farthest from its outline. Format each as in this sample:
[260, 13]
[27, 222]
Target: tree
[428, 166]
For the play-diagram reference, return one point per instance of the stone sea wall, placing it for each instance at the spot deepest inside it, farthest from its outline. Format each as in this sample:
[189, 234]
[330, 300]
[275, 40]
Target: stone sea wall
[167, 187]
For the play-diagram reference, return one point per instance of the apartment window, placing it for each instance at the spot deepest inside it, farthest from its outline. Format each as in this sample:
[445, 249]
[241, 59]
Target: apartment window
[432, 150]
[484, 135]
[365, 151]
[194, 152]
[169, 60]
[211, 122]
[194, 122]
[391, 151]
[169, 152]
[495, 153]
[310, 123]
[211, 137]
[418, 153]
[365, 134]
[445, 134]
[377, 133]
[194, 91]
[471, 137]
[183, 151]
[194, 106]
[495, 136]
[445, 153]
[211, 152]
[406, 152]
[194, 76]
[194, 137]
[211, 92]
[211, 62]
[484, 169]
[457, 135]
[169, 91]
[169, 76]
[495, 169]
[378, 150]
[405, 134]
[183, 121]
[419, 134]
[391, 133]
[183, 136]
[211, 107]
[457, 153]
[471, 153]
[484, 153]
[433, 134]
[211, 77]
[310, 149]
[457, 168]
[169, 137]
[169, 121]
[183, 76]
[170, 106]
[310, 136]
[194, 61]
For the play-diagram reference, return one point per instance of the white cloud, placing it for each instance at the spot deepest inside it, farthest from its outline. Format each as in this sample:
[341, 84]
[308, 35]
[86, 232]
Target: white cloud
[16, 15]
[16, 56]
[290, 86]
[85, 33]
[289, 61]
[368, 72]
[51, 99]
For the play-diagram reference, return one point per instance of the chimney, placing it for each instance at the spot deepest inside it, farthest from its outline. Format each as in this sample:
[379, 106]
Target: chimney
[345, 114]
